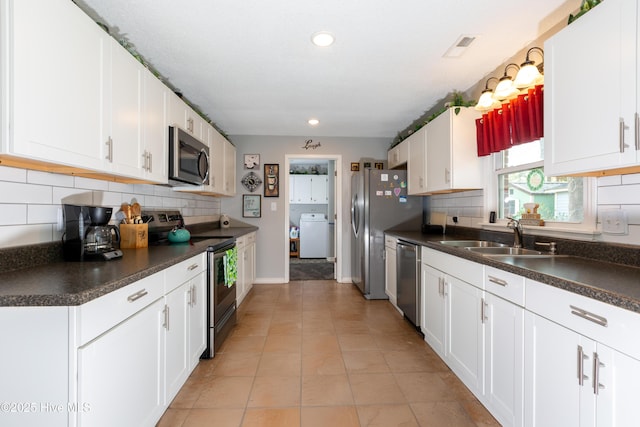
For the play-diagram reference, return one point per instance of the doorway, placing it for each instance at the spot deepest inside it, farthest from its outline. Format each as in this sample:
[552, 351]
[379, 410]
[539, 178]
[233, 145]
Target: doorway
[309, 216]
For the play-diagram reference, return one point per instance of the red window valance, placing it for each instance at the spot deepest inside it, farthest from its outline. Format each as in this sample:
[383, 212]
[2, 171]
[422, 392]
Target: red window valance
[518, 121]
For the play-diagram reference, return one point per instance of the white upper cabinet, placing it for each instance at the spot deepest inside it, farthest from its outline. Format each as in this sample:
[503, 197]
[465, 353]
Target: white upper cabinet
[122, 107]
[417, 163]
[451, 156]
[53, 88]
[308, 189]
[591, 97]
[155, 136]
[216, 161]
[398, 155]
[229, 169]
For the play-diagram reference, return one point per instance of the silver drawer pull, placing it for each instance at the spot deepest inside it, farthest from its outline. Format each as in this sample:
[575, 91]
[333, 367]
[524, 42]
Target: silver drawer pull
[137, 295]
[498, 281]
[602, 321]
[192, 267]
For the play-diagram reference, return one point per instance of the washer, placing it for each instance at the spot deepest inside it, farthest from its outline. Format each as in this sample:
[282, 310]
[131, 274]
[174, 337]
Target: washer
[313, 235]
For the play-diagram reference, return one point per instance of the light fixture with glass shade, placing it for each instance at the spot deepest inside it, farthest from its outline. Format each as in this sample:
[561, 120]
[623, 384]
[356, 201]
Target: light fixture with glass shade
[530, 74]
[487, 101]
[313, 122]
[505, 88]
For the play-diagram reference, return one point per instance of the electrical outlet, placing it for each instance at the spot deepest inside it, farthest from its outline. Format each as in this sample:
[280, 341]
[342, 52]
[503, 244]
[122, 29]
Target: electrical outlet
[614, 222]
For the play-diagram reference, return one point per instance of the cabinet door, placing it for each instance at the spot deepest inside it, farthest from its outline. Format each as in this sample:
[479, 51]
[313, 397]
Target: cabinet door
[216, 161]
[123, 108]
[155, 132]
[552, 388]
[319, 185]
[416, 165]
[229, 169]
[197, 301]
[432, 321]
[56, 82]
[302, 189]
[589, 139]
[119, 373]
[619, 379]
[439, 152]
[176, 111]
[504, 342]
[390, 283]
[465, 353]
[175, 324]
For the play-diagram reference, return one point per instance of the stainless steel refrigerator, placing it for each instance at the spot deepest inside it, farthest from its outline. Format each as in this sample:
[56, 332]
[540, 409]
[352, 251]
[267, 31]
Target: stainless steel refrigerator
[379, 202]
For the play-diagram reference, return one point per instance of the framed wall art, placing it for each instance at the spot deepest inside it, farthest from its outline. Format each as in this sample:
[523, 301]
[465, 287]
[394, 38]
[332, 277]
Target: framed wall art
[251, 205]
[251, 161]
[355, 167]
[271, 180]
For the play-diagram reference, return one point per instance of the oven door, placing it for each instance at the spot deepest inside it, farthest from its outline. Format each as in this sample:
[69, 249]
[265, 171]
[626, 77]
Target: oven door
[223, 282]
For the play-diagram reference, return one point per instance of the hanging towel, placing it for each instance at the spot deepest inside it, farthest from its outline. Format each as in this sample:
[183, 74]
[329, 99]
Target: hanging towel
[230, 267]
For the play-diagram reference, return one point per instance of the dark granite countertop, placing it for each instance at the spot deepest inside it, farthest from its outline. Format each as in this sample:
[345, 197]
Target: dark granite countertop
[609, 282]
[61, 283]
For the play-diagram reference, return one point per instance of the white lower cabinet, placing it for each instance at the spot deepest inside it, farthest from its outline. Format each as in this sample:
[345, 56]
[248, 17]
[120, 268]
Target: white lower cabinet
[573, 378]
[390, 270]
[432, 296]
[464, 338]
[246, 247]
[119, 373]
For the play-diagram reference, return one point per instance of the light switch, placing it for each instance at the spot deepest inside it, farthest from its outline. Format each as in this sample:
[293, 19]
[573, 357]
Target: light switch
[274, 206]
[614, 222]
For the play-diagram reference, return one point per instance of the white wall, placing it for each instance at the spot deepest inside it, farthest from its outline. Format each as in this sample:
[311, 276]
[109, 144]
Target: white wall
[272, 149]
[29, 202]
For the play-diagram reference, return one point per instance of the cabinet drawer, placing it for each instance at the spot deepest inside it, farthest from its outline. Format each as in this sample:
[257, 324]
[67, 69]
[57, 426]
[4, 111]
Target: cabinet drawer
[241, 242]
[177, 274]
[505, 285]
[465, 270]
[605, 323]
[101, 314]
[250, 238]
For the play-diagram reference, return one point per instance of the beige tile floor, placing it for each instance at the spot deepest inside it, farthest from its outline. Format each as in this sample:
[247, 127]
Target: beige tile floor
[316, 353]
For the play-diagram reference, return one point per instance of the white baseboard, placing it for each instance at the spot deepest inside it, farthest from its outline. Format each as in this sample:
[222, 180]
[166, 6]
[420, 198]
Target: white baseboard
[269, 280]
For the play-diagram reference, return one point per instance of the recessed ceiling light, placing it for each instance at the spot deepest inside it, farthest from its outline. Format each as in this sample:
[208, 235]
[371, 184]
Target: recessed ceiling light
[322, 39]
[313, 122]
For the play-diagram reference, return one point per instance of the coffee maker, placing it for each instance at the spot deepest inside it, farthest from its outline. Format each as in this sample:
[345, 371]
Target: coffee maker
[88, 235]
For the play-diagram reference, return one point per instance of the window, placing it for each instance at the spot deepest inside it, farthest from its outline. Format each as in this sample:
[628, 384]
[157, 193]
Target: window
[521, 179]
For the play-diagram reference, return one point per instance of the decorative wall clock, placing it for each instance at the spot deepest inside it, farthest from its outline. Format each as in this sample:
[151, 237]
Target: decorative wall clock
[251, 181]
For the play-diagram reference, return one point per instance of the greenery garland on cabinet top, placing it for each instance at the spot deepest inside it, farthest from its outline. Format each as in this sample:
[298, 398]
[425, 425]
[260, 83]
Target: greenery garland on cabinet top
[456, 102]
[586, 6]
[132, 50]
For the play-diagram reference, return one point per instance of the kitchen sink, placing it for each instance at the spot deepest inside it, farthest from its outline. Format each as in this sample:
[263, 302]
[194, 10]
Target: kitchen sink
[471, 243]
[506, 250]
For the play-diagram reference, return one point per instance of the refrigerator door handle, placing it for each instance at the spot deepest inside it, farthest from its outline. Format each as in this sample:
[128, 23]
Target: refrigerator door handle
[355, 219]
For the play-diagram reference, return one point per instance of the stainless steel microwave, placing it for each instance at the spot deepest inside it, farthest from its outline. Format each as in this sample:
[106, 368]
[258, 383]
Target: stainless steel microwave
[188, 158]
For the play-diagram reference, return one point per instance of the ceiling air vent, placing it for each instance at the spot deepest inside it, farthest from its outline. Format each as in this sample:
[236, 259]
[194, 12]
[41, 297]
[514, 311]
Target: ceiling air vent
[460, 46]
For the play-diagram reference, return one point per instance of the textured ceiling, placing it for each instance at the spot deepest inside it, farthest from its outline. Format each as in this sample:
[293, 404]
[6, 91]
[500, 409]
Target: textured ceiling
[250, 65]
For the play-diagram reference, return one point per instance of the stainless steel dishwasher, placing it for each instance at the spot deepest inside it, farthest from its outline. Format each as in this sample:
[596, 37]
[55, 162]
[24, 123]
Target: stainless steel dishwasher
[408, 280]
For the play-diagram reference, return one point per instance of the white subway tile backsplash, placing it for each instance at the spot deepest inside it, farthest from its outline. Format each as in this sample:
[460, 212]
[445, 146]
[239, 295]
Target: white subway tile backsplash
[143, 189]
[17, 192]
[72, 196]
[12, 174]
[18, 235]
[13, 214]
[91, 184]
[630, 179]
[48, 178]
[623, 194]
[118, 187]
[42, 214]
[107, 198]
[606, 181]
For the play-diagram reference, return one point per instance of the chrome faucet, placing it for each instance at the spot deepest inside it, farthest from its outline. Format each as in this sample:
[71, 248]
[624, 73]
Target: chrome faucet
[517, 230]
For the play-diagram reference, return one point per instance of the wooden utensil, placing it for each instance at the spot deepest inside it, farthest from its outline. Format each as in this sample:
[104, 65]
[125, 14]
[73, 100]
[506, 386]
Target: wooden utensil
[126, 210]
[136, 213]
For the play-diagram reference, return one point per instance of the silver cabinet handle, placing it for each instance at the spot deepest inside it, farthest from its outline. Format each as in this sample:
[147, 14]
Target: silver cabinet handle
[498, 281]
[165, 324]
[440, 286]
[621, 130]
[637, 131]
[483, 310]
[109, 145]
[192, 267]
[581, 358]
[137, 295]
[602, 321]
[145, 160]
[194, 300]
[150, 161]
[596, 374]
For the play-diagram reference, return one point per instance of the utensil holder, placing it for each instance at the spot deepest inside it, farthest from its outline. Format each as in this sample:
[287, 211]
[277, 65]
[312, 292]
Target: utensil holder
[134, 236]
